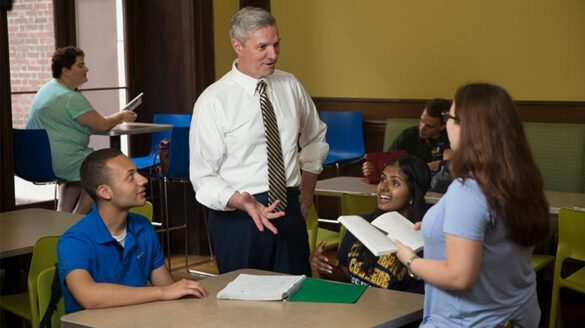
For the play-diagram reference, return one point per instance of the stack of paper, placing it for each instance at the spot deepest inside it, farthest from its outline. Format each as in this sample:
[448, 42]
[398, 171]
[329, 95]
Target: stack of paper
[261, 288]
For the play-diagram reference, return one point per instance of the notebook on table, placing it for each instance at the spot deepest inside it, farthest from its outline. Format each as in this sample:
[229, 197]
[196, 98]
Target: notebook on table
[379, 160]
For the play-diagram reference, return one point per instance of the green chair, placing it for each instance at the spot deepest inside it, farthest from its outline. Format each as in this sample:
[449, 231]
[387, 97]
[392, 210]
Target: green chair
[44, 283]
[571, 246]
[317, 235]
[144, 210]
[559, 151]
[356, 205]
[394, 126]
[25, 305]
[540, 261]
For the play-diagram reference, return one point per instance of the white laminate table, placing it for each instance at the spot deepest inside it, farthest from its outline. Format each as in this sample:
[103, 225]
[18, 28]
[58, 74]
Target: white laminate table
[132, 128]
[356, 186]
[19, 230]
[376, 307]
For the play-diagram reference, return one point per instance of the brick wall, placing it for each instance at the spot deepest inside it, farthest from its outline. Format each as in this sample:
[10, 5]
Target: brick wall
[31, 43]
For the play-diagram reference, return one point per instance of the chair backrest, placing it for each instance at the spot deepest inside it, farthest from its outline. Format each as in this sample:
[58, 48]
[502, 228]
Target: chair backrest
[356, 205]
[394, 126]
[44, 283]
[559, 151]
[571, 232]
[179, 153]
[345, 135]
[32, 155]
[144, 210]
[44, 256]
[312, 226]
[176, 120]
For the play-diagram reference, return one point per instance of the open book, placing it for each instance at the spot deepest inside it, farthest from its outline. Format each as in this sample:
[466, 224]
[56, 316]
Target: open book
[134, 103]
[377, 236]
[261, 288]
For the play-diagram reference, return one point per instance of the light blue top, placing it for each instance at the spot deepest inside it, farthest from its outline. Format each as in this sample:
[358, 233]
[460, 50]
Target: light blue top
[55, 108]
[88, 245]
[506, 286]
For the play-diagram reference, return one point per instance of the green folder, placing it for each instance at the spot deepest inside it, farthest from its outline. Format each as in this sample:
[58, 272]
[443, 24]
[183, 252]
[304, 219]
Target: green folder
[323, 291]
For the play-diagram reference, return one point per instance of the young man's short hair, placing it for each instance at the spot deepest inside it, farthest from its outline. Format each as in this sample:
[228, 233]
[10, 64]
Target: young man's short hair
[436, 107]
[94, 170]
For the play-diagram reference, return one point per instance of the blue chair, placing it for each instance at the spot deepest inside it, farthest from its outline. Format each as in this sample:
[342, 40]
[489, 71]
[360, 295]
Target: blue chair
[178, 171]
[345, 136]
[32, 157]
[176, 120]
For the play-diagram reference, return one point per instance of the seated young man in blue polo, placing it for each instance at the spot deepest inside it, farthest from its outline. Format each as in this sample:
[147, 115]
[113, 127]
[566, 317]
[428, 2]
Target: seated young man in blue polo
[109, 256]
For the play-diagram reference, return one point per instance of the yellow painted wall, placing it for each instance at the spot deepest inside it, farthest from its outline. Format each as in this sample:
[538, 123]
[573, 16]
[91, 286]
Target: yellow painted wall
[223, 10]
[427, 48]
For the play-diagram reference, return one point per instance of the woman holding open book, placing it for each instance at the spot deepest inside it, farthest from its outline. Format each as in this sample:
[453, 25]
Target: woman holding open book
[403, 184]
[480, 236]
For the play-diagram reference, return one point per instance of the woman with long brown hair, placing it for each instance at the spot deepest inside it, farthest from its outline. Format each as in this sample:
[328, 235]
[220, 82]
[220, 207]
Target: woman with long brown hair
[480, 236]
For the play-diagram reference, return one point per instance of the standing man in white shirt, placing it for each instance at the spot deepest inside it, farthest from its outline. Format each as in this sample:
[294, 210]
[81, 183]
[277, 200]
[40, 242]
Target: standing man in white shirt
[245, 137]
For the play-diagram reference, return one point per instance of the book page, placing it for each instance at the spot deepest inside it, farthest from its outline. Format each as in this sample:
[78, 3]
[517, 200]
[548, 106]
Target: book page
[260, 288]
[375, 240]
[134, 103]
[400, 228]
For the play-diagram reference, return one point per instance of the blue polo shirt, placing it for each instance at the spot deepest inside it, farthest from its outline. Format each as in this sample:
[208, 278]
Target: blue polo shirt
[88, 245]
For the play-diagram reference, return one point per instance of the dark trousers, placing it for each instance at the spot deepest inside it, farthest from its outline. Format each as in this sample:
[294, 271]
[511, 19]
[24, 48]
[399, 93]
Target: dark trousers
[238, 244]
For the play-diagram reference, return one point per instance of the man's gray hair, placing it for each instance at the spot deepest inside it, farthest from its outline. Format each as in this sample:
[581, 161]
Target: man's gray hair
[249, 19]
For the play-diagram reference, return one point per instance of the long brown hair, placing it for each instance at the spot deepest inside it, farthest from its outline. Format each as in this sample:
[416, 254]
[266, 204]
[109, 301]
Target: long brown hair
[494, 151]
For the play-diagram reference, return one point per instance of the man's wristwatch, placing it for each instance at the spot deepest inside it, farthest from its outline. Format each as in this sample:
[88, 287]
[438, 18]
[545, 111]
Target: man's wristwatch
[408, 263]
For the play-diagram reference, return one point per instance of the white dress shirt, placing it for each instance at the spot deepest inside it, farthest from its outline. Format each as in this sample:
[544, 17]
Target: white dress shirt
[227, 142]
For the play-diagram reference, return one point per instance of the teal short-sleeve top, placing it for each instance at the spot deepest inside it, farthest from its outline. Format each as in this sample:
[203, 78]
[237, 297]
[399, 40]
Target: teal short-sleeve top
[55, 108]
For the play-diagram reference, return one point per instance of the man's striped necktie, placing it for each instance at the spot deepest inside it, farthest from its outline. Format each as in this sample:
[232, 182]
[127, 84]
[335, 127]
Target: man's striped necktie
[276, 176]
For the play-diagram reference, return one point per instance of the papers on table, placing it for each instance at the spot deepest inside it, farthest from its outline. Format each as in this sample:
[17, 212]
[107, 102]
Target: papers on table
[261, 288]
[292, 288]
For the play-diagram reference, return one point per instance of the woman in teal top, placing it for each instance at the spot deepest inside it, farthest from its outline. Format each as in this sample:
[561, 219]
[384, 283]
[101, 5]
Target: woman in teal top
[69, 120]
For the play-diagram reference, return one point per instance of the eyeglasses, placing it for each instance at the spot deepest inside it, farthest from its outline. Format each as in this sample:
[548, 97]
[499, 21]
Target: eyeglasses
[447, 116]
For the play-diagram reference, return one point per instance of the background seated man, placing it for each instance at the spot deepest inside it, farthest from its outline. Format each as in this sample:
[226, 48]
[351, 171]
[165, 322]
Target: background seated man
[108, 257]
[428, 141]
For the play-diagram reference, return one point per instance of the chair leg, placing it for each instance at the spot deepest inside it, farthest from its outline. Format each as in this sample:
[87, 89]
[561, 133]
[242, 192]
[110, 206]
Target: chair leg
[211, 256]
[186, 219]
[555, 303]
[166, 219]
[55, 196]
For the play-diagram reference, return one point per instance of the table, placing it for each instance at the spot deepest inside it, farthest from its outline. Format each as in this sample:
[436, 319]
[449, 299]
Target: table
[132, 128]
[19, 230]
[376, 307]
[354, 185]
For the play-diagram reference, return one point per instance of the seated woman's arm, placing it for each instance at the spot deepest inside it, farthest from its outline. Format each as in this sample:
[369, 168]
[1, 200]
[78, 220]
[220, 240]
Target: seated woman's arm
[98, 123]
